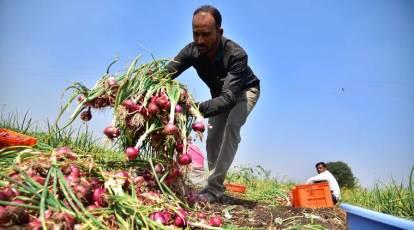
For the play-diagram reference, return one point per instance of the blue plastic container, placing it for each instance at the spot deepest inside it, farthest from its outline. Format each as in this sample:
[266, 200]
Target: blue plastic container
[361, 218]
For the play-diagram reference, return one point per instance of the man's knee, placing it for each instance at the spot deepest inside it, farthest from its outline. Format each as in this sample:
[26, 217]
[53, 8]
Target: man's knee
[233, 128]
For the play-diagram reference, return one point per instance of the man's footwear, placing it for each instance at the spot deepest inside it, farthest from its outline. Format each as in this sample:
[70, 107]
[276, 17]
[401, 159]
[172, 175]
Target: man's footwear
[207, 196]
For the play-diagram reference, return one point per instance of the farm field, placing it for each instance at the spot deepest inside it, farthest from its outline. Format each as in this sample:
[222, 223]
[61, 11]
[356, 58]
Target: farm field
[264, 205]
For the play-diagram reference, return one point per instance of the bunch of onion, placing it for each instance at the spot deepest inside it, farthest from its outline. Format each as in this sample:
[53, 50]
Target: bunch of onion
[153, 117]
[36, 198]
[132, 91]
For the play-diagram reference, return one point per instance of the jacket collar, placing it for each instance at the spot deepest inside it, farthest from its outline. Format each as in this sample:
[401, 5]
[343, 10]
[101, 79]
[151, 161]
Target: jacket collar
[220, 50]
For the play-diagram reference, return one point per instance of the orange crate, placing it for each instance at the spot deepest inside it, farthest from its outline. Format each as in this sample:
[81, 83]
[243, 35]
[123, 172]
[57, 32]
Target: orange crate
[11, 138]
[312, 196]
[235, 188]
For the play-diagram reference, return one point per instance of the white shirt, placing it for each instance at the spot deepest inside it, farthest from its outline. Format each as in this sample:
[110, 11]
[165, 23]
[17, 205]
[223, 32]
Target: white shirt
[333, 184]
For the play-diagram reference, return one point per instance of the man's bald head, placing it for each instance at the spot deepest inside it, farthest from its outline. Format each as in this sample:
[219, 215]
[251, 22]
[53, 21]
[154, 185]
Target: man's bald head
[211, 10]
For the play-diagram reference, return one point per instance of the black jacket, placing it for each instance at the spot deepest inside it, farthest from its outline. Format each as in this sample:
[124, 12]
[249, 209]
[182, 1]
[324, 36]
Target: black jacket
[226, 77]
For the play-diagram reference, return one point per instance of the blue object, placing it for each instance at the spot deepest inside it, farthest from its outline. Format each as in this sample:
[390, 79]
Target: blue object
[361, 218]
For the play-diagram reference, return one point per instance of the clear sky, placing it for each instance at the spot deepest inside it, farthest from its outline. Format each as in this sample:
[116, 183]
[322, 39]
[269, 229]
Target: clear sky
[304, 53]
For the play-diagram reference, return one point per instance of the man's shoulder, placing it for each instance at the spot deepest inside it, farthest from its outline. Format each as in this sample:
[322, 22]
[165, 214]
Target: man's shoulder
[330, 175]
[232, 48]
[189, 50]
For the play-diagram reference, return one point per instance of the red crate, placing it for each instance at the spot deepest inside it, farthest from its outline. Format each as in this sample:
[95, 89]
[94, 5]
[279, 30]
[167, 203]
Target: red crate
[312, 196]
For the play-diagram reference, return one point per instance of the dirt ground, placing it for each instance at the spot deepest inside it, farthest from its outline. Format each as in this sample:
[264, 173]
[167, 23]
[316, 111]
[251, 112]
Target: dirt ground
[246, 214]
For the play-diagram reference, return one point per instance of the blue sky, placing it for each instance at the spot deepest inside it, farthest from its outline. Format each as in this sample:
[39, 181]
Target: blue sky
[304, 52]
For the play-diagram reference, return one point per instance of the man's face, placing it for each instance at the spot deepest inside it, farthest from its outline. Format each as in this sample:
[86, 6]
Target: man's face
[320, 169]
[206, 35]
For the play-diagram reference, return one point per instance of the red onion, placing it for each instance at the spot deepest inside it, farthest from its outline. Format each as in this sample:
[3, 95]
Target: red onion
[159, 168]
[10, 193]
[144, 111]
[178, 108]
[39, 179]
[72, 180]
[154, 99]
[65, 152]
[167, 105]
[169, 180]
[99, 197]
[139, 180]
[81, 98]
[86, 115]
[83, 192]
[74, 171]
[95, 183]
[131, 106]
[4, 197]
[167, 215]
[35, 224]
[17, 176]
[170, 129]
[4, 215]
[153, 108]
[184, 159]
[180, 219]
[179, 147]
[132, 153]
[175, 171]
[112, 132]
[163, 102]
[216, 221]
[198, 126]
[111, 81]
[158, 217]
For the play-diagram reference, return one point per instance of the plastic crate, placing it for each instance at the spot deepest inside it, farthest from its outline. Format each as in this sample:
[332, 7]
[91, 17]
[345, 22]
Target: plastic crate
[312, 196]
[362, 218]
[235, 188]
[11, 138]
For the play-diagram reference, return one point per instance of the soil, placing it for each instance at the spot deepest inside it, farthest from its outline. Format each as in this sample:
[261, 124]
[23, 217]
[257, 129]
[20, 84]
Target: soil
[242, 213]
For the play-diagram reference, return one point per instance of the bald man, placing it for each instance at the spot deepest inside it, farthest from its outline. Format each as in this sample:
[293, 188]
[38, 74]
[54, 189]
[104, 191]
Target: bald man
[223, 66]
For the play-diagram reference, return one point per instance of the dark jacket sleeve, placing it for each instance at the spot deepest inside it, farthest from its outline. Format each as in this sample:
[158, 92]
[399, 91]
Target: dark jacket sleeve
[233, 84]
[181, 62]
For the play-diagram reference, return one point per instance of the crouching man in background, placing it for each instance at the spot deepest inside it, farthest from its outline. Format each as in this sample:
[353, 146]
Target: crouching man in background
[325, 175]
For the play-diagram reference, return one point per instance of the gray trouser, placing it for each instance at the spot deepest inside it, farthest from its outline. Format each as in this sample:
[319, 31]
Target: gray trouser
[223, 138]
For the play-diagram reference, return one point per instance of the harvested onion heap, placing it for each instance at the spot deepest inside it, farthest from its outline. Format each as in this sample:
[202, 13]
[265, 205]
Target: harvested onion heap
[153, 117]
[60, 190]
